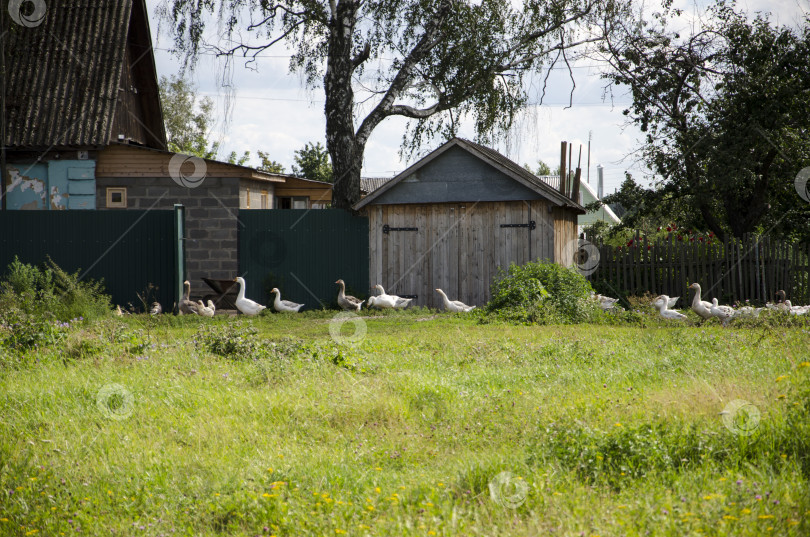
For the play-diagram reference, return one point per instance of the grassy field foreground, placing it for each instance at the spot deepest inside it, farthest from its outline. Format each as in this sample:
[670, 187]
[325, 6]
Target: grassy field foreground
[424, 426]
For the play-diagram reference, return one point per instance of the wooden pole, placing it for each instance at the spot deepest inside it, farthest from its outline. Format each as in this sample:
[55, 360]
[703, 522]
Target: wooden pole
[575, 187]
[563, 152]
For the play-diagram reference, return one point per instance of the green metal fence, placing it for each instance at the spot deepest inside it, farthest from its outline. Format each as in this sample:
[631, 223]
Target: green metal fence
[303, 252]
[127, 249]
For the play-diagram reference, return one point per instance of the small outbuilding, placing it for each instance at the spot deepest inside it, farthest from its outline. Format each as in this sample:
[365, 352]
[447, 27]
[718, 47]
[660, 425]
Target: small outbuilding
[456, 216]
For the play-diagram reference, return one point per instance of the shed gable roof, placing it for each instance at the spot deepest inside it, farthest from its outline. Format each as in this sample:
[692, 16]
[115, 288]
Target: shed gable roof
[505, 166]
[63, 75]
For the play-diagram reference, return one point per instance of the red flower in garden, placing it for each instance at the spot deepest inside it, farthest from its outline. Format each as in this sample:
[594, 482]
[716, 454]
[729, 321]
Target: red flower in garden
[668, 228]
[630, 242]
[711, 234]
[700, 239]
[649, 247]
[691, 239]
[659, 228]
[680, 238]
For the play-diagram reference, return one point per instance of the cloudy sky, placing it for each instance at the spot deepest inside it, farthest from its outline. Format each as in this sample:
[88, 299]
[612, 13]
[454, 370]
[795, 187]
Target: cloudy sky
[274, 112]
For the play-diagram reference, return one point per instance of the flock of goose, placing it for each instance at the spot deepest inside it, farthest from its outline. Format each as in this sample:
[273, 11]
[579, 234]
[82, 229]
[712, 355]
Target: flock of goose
[347, 302]
[664, 304]
[707, 310]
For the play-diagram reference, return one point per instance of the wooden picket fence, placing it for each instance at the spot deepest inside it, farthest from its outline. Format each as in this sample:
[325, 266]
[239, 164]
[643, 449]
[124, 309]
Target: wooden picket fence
[752, 268]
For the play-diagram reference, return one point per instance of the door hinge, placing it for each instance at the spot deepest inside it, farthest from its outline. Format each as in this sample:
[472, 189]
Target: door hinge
[388, 229]
[531, 225]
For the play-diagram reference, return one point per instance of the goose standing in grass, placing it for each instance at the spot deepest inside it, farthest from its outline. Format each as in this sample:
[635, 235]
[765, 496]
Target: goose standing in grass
[455, 306]
[187, 307]
[156, 309]
[796, 310]
[205, 311]
[347, 302]
[724, 313]
[701, 307]
[662, 303]
[747, 311]
[246, 305]
[605, 302]
[398, 302]
[284, 305]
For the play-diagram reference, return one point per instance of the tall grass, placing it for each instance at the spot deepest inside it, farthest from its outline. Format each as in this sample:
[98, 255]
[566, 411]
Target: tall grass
[134, 426]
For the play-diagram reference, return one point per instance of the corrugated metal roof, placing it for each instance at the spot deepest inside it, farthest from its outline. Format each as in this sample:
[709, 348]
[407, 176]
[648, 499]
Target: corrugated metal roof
[63, 75]
[370, 184]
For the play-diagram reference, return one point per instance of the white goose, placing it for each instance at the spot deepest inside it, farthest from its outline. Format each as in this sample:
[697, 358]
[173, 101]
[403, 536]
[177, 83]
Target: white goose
[796, 310]
[347, 302]
[748, 311]
[724, 313]
[205, 311]
[187, 307]
[662, 303]
[284, 305]
[398, 302]
[701, 307]
[605, 302]
[454, 305]
[246, 305]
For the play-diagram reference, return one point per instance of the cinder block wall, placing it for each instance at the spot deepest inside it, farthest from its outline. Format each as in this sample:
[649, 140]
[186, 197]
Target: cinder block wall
[212, 209]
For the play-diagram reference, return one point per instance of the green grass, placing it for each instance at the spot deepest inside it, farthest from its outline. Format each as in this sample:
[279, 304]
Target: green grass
[605, 430]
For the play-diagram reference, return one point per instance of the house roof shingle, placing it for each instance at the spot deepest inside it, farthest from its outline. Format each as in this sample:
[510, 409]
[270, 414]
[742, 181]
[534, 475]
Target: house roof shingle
[63, 75]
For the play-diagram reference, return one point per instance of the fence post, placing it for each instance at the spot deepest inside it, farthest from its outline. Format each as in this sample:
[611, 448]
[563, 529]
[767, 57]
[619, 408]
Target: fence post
[179, 250]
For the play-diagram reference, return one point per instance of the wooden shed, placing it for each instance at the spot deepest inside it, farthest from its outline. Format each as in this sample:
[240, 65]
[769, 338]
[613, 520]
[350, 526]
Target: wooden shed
[450, 220]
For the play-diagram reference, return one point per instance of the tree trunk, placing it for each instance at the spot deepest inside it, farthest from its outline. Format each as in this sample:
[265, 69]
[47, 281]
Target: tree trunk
[341, 141]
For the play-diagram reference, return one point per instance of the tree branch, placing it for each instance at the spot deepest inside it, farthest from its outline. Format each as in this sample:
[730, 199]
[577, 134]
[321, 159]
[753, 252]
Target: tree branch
[401, 80]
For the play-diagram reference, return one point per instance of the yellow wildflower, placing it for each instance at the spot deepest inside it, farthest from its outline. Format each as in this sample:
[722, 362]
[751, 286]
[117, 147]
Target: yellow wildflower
[729, 517]
[339, 531]
[781, 378]
[377, 490]
[763, 517]
[746, 511]
[804, 364]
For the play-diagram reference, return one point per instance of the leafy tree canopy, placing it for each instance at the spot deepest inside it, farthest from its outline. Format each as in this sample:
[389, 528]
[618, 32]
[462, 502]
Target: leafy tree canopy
[312, 162]
[726, 114]
[187, 119]
[433, 62]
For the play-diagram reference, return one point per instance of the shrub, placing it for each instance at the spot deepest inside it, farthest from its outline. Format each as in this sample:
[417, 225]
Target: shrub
[50, 292]
[20, 331]
[540, 292]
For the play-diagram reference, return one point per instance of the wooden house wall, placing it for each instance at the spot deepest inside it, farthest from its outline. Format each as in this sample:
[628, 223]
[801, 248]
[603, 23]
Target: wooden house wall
[565, 236]
[456, 175]
[458, 247]
[138, 115]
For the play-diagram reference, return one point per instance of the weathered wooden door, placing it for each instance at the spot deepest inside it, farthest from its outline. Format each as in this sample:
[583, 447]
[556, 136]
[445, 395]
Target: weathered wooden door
[456, 247]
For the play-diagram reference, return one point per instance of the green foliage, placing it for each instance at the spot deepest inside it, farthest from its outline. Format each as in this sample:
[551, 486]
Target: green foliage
[434, 62]
[540, 292]
[188, 122]
[725, 109]
[268, 165]
[236, 341]
[51, 293]
[542, 169]
[21, 331]
[312, 162]
[234, 158]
